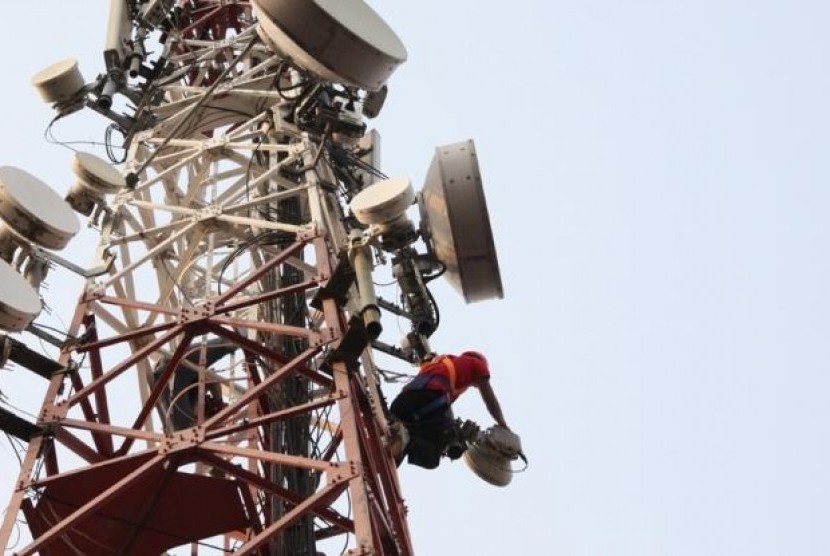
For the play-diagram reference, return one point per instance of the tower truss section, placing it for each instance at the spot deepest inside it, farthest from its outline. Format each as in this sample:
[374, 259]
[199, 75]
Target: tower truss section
[216, 391]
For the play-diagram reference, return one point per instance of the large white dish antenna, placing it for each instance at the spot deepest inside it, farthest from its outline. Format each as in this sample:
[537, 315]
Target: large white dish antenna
[59, 82]
[34, 211]
[343, 41]
[456, 224]
[19, 302]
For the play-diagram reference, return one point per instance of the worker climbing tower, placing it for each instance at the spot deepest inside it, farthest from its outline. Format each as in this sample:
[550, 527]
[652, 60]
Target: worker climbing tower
[218, 387]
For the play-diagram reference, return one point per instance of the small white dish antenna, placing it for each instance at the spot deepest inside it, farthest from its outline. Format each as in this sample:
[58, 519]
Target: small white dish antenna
[59, 82]
[96, 174]
[96, 178]
[344, 41]
[456, 225]
[32, 210]
[19, 302]
[383, 202]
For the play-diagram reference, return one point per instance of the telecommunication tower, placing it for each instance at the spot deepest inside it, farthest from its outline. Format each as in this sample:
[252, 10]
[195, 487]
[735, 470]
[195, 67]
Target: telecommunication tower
[218, 387]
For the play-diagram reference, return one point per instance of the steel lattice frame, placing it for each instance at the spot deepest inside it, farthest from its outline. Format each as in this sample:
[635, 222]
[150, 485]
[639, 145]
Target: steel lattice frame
[200, 246]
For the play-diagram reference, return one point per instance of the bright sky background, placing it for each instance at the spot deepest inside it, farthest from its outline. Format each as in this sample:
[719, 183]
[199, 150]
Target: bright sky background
[657, 175]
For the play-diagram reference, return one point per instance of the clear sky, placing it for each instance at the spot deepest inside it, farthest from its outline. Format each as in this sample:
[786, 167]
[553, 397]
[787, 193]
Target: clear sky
[657, 174]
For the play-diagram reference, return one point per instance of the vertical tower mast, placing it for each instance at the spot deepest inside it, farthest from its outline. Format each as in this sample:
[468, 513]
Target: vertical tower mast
[228, 300]
[217, 389]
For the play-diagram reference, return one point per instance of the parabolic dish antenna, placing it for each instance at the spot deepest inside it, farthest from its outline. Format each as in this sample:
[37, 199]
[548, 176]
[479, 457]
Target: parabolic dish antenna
[489, 464]
[456, 224]
[34, 211]
[343, 41]
[59, 82]
[96, 174]
[19, 302]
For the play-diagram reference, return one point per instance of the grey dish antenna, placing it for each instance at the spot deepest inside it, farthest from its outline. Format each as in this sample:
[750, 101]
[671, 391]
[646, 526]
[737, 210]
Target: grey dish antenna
[456, 225]
[344, 41]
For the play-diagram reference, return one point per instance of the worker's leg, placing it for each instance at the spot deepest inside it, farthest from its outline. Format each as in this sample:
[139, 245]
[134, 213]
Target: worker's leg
[426, 429]
[431, 437]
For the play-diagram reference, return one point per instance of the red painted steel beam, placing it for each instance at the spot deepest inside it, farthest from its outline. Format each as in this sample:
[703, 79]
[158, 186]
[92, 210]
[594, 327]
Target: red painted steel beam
[134, 304]
[254, 392]
[273, 457]
[126, 337]
[158, 388]
[126, 364]
[112, 430]
[320, 498]
[46, 481]
[77, 445]
[96, 368]
[255, 347]
[270, 296]
[201, 22]
[336, 440]
[386, 524]
[274, 417]
[341, 522]
[86, 408]
[279, 329]
[261, 271]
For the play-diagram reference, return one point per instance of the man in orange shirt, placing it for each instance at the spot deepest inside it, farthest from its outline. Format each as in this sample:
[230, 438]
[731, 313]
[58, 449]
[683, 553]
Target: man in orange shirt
[424, 404]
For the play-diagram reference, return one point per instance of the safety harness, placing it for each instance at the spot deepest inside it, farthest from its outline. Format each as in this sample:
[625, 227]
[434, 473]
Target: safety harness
[425, 378]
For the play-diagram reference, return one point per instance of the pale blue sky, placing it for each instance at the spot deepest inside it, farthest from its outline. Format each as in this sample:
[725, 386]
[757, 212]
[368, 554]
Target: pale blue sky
[657, 176]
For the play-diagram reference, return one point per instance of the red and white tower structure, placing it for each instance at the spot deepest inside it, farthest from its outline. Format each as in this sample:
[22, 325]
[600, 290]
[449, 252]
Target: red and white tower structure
[217, 388]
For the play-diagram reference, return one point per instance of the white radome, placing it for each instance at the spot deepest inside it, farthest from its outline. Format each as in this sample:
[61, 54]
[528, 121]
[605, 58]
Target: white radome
[19, 302]
[383, 202]
[59, 81]
[34, 211]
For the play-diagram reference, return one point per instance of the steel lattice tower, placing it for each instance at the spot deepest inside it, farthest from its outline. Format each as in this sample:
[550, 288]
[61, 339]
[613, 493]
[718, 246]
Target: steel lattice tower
[229, 301]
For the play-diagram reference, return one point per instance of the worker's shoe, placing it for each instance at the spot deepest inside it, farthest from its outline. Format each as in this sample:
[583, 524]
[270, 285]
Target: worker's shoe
[398, 440]
[454, 443]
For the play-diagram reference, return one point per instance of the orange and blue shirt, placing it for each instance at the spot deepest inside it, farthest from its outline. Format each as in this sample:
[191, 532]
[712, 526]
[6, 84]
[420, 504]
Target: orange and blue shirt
[451, 374]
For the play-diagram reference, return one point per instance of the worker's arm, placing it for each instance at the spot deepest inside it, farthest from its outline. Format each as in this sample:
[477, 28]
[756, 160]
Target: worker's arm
[491, 402]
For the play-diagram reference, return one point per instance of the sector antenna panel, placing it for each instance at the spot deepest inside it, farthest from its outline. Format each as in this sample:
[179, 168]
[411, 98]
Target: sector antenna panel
[343, 41]
[456, 224]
